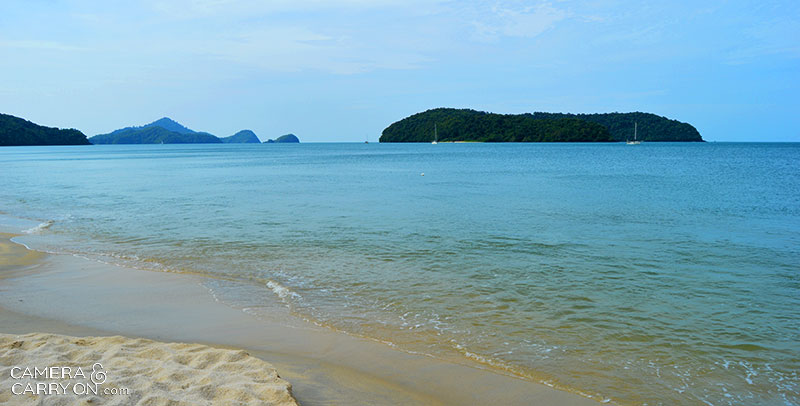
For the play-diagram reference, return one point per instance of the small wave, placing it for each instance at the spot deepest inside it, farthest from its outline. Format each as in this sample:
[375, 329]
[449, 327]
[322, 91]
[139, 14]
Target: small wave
[282, 291]
[490, 361]
[41, 227]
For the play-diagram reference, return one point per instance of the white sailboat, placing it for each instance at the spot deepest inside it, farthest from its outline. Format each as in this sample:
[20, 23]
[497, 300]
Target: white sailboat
[635, 140]
[435, 135]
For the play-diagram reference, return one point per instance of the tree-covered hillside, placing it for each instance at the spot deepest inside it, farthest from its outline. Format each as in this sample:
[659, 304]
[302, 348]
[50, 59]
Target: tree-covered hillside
[153, 135]
[287, 138]
[650, 126]
[242, 137]
[18, 131]
[162, 131]
[471, 125]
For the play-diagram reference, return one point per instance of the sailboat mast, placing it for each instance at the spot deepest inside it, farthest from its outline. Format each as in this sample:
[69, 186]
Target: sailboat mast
[635, 129]
[435, 132]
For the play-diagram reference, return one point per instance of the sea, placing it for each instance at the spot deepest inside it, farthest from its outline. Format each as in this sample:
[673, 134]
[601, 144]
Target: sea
[655, 274]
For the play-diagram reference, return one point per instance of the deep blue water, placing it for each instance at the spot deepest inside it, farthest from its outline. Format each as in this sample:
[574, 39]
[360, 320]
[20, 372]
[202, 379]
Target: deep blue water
[658, 274]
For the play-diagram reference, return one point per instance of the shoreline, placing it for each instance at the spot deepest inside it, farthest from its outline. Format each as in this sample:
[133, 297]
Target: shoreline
[89, 298]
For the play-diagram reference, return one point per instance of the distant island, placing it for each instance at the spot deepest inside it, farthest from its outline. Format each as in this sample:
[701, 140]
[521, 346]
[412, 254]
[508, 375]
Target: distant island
[16, 131]
[242, 137]
[288, 138]
[449, 124]
[168, 131]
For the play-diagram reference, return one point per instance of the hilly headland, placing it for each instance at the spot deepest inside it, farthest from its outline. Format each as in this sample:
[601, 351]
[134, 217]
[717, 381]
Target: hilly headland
[18, 131]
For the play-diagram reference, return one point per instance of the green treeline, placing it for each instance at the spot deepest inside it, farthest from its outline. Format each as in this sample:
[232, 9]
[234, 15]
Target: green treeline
[18, 131]
[650, 126]
[471, 125]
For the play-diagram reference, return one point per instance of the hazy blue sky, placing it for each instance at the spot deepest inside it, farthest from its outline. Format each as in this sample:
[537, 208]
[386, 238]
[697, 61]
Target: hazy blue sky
[342, 70]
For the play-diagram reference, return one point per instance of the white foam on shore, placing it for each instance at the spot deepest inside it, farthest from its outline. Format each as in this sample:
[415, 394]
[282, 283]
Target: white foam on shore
[25, 245]
[39, 228]
[282, 291]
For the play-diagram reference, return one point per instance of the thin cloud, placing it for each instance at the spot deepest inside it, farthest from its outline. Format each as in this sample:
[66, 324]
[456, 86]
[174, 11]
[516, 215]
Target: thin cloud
[221, 8]
[519, 21]
[40, 45]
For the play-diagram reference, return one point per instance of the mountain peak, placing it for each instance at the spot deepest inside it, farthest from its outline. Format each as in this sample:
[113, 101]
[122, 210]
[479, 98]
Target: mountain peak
[171, 125]
[164, 120]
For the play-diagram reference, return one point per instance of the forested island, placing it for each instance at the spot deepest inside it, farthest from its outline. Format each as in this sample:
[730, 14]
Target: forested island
[449, 124]
[18, 131]
[242, 137]
[168, 131]
[288, 138]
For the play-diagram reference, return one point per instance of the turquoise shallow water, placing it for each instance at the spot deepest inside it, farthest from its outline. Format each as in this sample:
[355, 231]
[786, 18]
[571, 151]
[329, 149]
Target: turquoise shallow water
[652, 274]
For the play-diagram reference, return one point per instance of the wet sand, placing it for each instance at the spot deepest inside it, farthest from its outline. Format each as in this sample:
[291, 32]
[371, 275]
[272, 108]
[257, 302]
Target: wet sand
[70, 295]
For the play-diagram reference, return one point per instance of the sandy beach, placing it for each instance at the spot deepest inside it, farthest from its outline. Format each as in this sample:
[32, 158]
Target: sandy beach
[48, 300]
[133, 371]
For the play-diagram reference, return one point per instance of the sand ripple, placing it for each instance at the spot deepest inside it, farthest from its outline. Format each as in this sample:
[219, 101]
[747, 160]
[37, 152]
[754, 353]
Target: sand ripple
[154, 373]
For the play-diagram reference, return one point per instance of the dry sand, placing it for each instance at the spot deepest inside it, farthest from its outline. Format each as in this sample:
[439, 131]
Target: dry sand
[137, 372]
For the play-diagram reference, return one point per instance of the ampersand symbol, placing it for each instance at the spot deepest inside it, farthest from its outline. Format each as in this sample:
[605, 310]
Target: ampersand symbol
[98, 374]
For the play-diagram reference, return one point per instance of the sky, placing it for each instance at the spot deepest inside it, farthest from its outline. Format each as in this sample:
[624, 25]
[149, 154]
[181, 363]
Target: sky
[343, 70]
